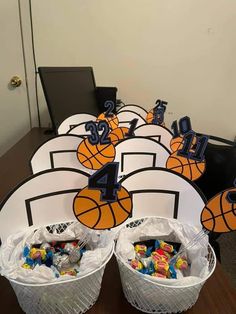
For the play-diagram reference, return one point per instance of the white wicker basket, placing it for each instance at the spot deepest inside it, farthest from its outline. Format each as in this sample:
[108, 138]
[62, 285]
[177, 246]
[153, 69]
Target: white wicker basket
[76, 295]
[152, 297]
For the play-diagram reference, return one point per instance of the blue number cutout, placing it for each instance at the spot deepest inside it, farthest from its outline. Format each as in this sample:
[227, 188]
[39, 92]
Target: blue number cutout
[198, 154]
[133, 125]
[103, 126]
[158, 112]
[92, 127]
[111, 106]
[95, 138]
[105, 180]
[231, 197]
[184, 126]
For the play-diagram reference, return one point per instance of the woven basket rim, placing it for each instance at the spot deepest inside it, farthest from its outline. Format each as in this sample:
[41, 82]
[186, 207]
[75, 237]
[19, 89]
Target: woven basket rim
[145, 277]
[69, 280]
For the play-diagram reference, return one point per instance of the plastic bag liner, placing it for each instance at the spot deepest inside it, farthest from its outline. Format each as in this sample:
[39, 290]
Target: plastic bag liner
[167, 230]
[100, 246]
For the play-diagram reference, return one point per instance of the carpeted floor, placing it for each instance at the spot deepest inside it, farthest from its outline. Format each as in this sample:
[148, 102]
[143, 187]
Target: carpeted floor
[228, 255]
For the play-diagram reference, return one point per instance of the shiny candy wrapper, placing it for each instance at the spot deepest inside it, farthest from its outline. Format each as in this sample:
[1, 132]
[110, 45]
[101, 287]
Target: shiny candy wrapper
[136, 264]
[164, 246]
[156, 257]
[158, 275]
[61, 262]
[146, 261]
[181, 264]
[140, 248]
[161, 267]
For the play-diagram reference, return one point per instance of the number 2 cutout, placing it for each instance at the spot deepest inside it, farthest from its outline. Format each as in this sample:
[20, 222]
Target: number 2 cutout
[94, 128]
[105, 180]
[110, 107]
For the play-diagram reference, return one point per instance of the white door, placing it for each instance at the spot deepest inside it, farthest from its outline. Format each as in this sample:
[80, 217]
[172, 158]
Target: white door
[14, 109]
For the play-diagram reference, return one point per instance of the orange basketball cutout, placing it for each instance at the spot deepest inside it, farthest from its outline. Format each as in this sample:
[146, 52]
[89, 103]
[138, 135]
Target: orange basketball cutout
[219, 214]
[112, 120]
[156, 115]
[177, 143]
[189, 168]
[189, 159]
[104, 204]
[95, 156]
[150, 117]
[118, 135]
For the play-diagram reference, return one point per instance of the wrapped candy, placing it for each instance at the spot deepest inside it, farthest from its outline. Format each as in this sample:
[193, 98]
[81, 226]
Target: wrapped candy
[136, 264]
[161, 267]
[70, 272]
[158, 275]
[164, 246]
[38, 253]
[181, 264]
[141, 249]
[156, 257]
[163, 253]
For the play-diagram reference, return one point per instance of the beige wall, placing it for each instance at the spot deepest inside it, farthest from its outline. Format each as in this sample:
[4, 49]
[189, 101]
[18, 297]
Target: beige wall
[180, 51]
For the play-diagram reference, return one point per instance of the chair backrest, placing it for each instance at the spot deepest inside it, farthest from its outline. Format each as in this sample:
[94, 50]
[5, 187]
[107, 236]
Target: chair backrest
[156, 132]
[136, 109]
[161, 192]
[58, 152]
[73, 121]
[68, 90]
[43, 199]
[220, 172]
[139, 153]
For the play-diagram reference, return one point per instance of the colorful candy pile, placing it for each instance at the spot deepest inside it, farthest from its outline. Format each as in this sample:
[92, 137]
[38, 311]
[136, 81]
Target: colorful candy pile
[156, 261]
[62, 257]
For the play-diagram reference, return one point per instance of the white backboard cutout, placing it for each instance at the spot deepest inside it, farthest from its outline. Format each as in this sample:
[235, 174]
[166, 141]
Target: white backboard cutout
[72, 121]
[156, 132]
[125, 117]
[138, 153]
[176, 197]
[42, 199]
[135, 108]
[58, 152]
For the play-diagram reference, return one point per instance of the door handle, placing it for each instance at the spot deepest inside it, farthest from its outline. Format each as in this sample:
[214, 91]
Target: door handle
[15, 81]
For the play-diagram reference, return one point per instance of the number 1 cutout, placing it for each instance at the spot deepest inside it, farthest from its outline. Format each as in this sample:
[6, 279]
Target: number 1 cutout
[198, 153]
[133, 125]
[105, 180]
[184, 127]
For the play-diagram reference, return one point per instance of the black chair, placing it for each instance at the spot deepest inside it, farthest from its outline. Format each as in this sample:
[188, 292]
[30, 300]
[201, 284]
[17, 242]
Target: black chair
[72, 90]
[220, 174]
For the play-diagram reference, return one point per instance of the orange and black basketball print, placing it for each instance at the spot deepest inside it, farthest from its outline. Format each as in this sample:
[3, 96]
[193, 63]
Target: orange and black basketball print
[189, 168]
[219, 215]
[177, 143]
[118, 134]
[112, 121]
[150, 117]
[95, 156]
[99, 215]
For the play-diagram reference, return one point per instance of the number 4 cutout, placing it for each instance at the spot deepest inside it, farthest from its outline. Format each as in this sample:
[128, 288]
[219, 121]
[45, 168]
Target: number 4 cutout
[105, 180]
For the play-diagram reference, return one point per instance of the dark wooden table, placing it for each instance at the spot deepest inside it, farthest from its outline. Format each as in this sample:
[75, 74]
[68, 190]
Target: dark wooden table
[216, 297]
